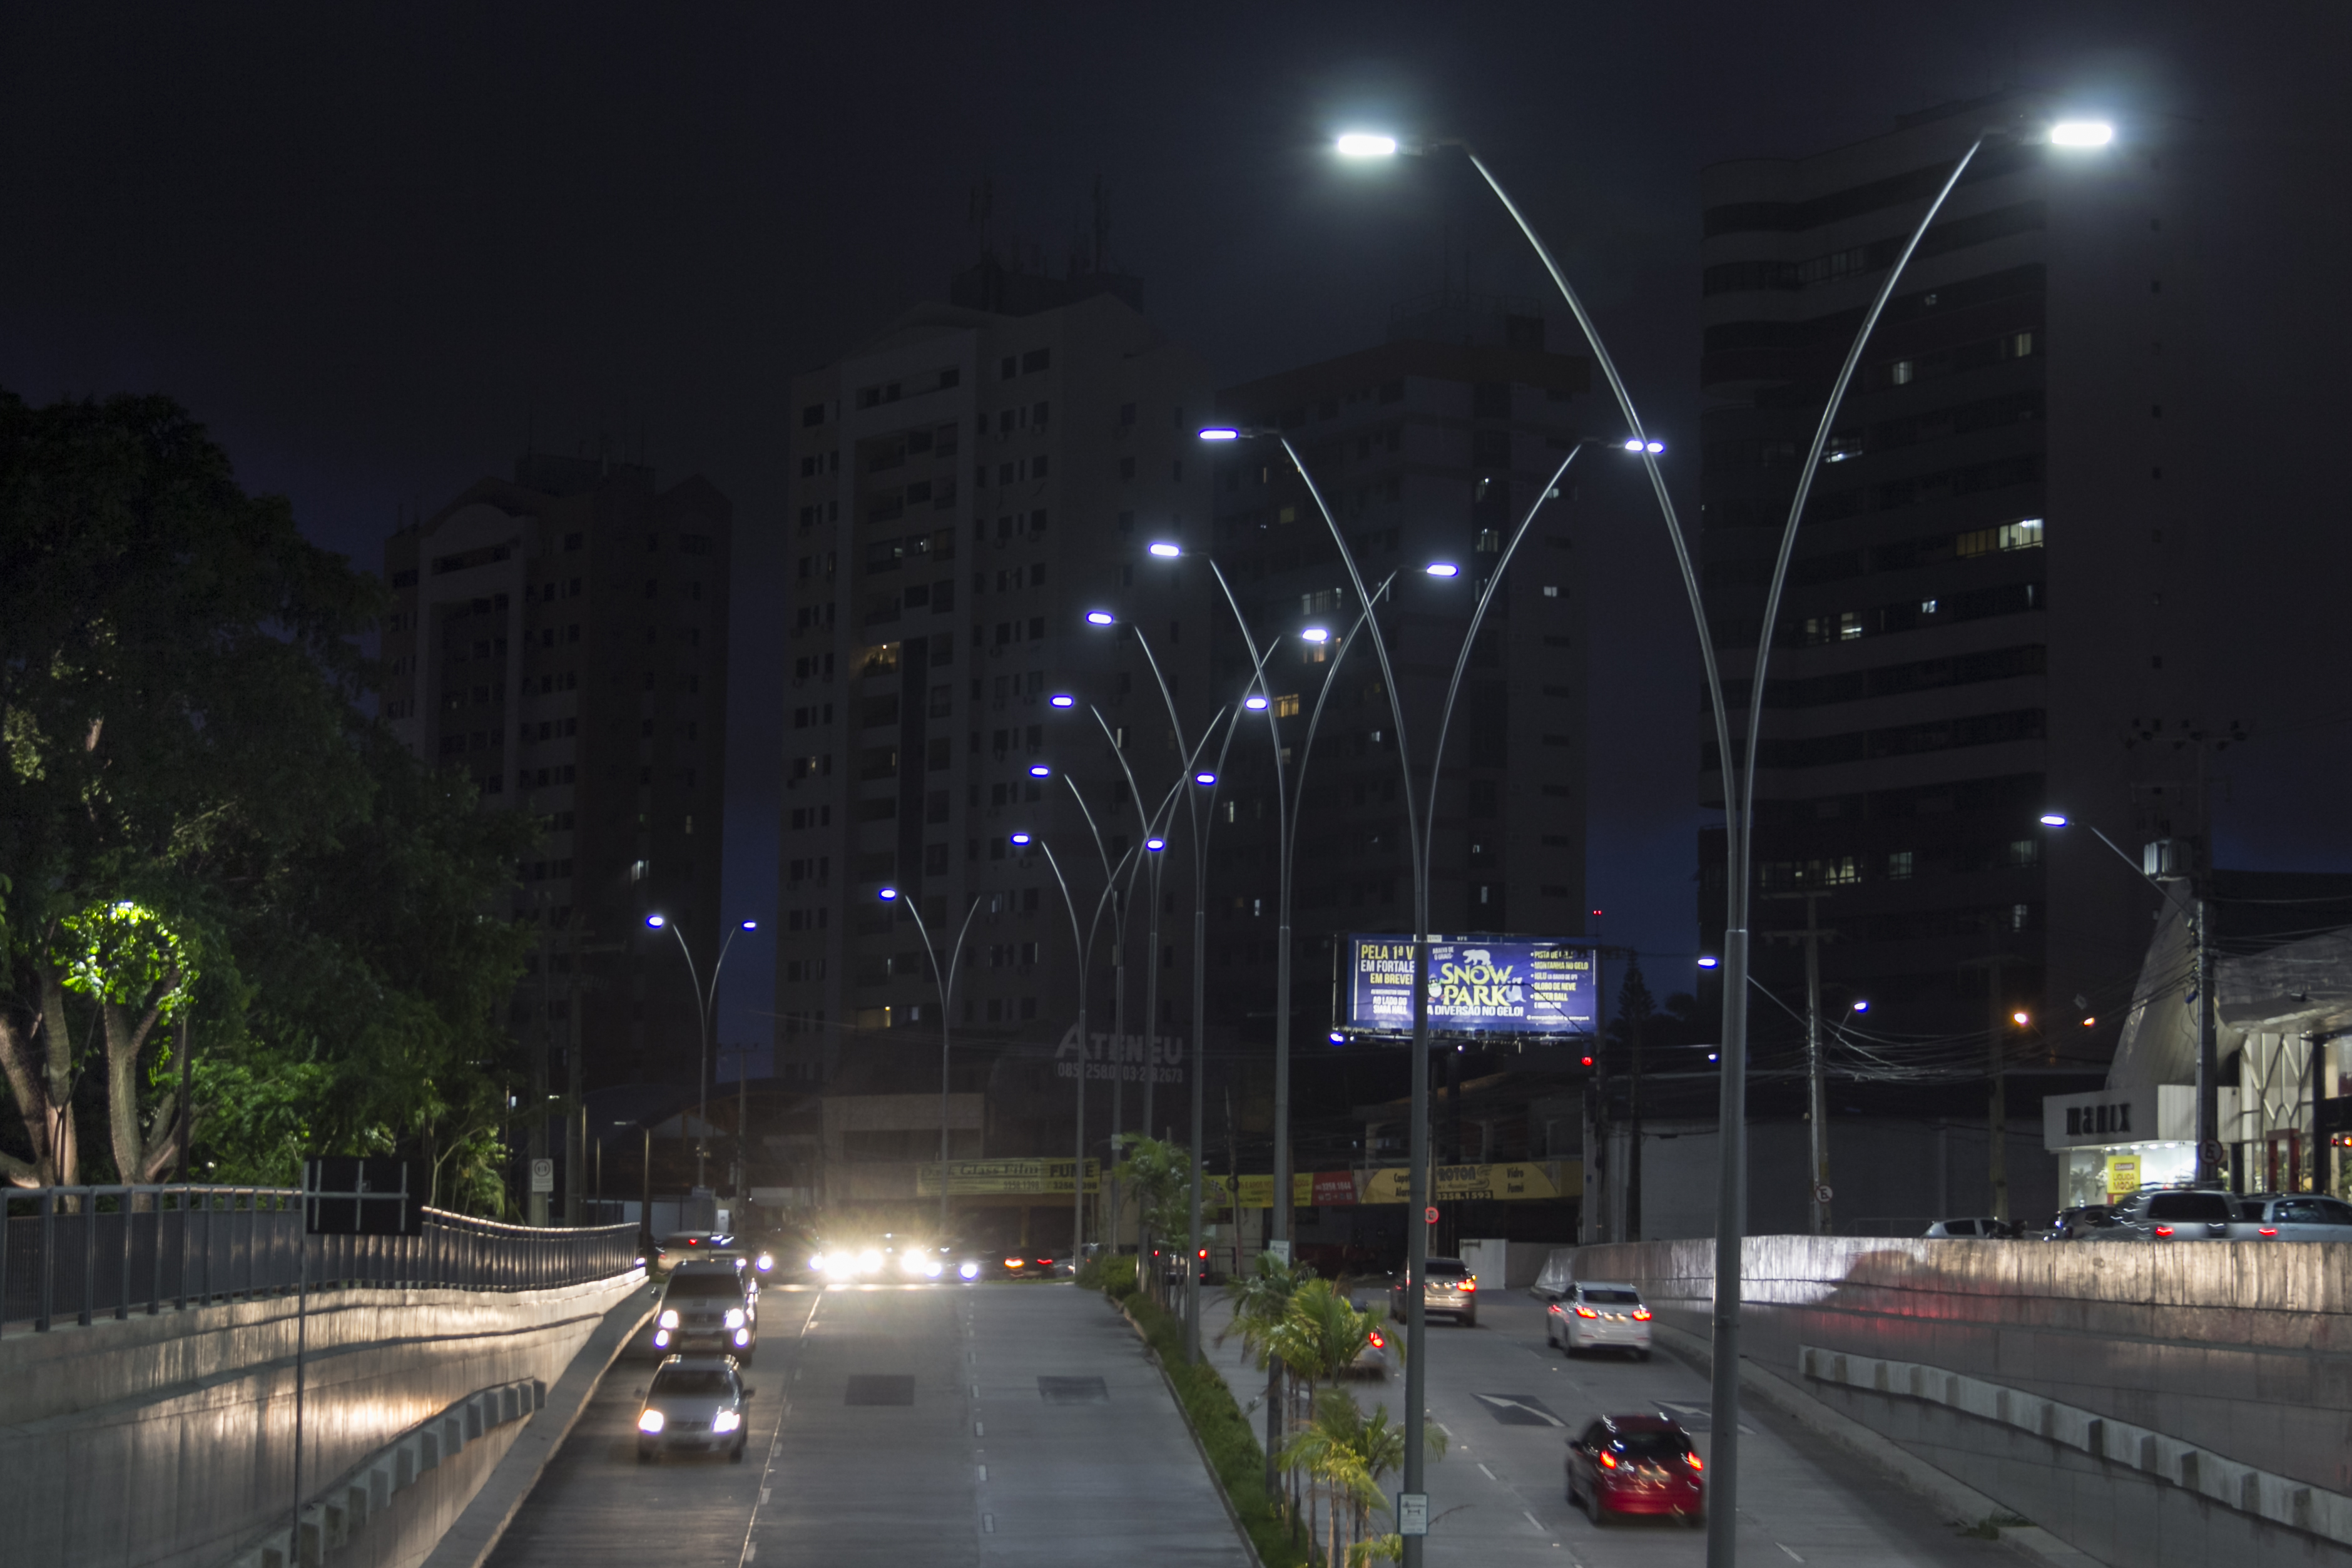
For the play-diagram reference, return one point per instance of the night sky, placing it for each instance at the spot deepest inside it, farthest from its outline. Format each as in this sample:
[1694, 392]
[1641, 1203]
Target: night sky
[378, 249]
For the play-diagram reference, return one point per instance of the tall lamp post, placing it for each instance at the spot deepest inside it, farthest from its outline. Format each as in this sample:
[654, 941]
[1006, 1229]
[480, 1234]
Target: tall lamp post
[705, 1000]
[943, 983]
[1740, 787]
[1418, 828]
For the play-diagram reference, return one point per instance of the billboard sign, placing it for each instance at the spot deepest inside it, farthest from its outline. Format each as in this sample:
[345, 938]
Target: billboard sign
[1478, 985]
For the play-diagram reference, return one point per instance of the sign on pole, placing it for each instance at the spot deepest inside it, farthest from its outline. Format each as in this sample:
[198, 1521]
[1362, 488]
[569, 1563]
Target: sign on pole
[352, 1196]
[543, 1175]
[1412, 1513]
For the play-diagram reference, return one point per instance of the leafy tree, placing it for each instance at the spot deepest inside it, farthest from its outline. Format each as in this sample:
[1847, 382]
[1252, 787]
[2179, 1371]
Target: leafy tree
[1261, 1302]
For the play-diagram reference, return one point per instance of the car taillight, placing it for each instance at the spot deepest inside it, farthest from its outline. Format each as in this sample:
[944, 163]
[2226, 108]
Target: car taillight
[2164, 1230]
[1013, 1263]
[1640, 1314]
[1608, 1461]
[1469, 1285]
[2270, 1230]
[1586, 1312]
[1044, 1263]
[1692, 1460]
[1377, 1343]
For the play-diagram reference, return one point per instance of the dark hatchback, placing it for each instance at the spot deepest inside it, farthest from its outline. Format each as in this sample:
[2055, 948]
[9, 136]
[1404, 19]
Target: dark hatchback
[1636, 1464]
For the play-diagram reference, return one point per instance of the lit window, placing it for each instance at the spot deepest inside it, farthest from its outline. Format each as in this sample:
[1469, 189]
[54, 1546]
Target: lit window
[1901, 372]
[1898, 866]
[1286, 707]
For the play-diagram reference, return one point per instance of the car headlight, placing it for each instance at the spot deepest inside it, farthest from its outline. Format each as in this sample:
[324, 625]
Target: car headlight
[669, 1317]
[970, 1270]
[661, 1338]
[767, 1261]
[909, 1264]
[734, 1317]
[816, 1262]
[931, 1269]
[650, 1420]
[869, 1261]
[725, 1421]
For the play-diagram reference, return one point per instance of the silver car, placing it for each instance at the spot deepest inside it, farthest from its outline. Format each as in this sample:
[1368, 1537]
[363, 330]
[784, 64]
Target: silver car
[2295, 1216]
[2174, 1213]
[695, 1405]
[1447, 1288]
[1598, 1315]
[710, 1306]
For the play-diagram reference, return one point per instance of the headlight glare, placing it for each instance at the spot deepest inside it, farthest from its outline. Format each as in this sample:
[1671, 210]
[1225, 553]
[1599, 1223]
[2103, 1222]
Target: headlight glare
[725, 1421]
[669, 1317]
[869, 1261]
[734, 1317]
[651, 1421]
[767, 1261]
[931, 1269]
[970, 1270]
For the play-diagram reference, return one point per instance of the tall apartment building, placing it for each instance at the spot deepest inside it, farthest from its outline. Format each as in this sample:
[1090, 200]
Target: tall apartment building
[562, 639]
[970, 483]
[1998, 582]
[1430, 447]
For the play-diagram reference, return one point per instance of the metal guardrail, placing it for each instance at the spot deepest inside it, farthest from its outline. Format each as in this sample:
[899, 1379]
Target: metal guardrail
[82, 1253]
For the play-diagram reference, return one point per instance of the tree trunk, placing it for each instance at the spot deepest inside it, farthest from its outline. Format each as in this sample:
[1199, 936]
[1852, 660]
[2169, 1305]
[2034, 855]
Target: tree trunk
[38, 1061]
[141, 1153]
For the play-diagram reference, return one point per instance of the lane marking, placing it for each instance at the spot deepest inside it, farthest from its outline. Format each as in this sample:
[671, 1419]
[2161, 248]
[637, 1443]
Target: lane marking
[1789, 1550]
[1541, 1528]
[983, 1472]
[988, 1523]
[976, 1391]
[977, 1430]
[1490, 1475]
[763, 1496]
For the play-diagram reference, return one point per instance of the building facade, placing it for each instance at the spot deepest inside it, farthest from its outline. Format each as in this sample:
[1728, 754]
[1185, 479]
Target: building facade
[1994, 606]
[562, 639]
[969, 485]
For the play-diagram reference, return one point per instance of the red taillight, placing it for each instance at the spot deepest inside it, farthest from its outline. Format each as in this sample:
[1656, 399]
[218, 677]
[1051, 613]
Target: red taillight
[1608, 1461]
[1692, 1460]
[1205, 1252]
[1377, 1343]
[1013, 1263]
[2270, 1230]
[1044, 1263]
[1586, 1312]
[1470, 1284]
[2164, 1230]
[1640, 1314]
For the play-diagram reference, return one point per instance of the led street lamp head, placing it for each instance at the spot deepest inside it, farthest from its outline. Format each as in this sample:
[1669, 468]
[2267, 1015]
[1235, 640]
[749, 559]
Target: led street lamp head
[1040, 771]
[887, 893]
[1155, 844]
[1442, 569]
[1315, 634]
[1365, 145]
[1165, 551]
[1020, 838]
[2081, 133]
[1098, 617]
[1221, 433]
[1255, 702]
[1204, 778]
[1063, 699]
[2054, 819]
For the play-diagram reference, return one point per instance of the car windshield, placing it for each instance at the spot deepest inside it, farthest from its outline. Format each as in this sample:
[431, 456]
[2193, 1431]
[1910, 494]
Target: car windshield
[705, 1285]
[691, 1380]
[1652, 1444]
[1614, 1298]
[2212, 1208]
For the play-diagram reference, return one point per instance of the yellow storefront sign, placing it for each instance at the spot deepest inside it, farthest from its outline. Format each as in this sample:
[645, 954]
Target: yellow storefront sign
[1529, 1181]
[2122, 1176]
[973, 1178]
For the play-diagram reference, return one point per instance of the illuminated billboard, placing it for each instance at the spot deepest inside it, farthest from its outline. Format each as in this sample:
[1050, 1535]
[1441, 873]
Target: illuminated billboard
[1478, 985]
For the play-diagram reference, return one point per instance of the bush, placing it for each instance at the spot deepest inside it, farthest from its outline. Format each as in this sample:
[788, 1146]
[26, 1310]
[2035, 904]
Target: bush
[1233, 1452]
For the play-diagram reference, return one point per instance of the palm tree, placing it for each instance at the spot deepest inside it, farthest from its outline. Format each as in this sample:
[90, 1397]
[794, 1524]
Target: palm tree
[1261, 1300]
[1325, 1448]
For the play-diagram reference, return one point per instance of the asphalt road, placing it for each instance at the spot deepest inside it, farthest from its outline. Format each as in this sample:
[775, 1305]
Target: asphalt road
[1508, 1404]
[893, 1424]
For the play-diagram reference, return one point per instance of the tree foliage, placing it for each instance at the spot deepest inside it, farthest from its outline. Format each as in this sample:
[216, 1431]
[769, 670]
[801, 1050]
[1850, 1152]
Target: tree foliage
[200, 832]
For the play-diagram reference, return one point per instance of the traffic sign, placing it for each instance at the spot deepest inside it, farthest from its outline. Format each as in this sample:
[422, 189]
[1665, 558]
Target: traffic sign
[1430, 1214]
[1412, 1513]
[543, 1175]
[2213, 1151]
[1822, 1193]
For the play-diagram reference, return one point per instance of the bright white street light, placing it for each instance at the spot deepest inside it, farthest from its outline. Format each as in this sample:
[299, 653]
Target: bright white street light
[1098, 617]
[1221, 433]
[1363, 144]
[1204, 778]
[1253, 702]
[1165, 551]
[1040, 771]
[1315, 634]
[1155, 844]
[1063, 699]
[1020, 838]
[887, 893]
[2054, 819]
[655, 921]
[1442, 569]
[1635, 444]
[2081, 133]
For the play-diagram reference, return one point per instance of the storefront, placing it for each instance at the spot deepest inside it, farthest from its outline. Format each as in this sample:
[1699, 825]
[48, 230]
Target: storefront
[2110, 1141]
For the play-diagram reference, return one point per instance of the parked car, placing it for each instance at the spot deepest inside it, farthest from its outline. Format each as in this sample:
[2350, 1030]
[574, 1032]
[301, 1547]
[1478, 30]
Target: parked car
[710, 1306]
[1598, 1315]
[2295, 1216]
[696, 1404]
[1983, 1226]
[1447, 1287]
[2173, 1213]
[1636, 1464]
[2076, 1223]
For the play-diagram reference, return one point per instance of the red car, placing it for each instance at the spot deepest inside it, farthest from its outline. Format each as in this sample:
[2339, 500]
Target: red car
[1636, 1464]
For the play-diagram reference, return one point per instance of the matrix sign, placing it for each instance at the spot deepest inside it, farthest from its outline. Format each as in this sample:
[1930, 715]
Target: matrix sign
[1497, 986]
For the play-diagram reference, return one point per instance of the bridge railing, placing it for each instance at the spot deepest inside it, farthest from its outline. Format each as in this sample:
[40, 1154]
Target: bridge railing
[79, 1253]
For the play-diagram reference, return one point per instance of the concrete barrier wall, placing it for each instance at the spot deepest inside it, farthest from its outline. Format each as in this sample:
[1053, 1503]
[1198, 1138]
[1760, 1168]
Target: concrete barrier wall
[167, 1442]
[2243, 1349]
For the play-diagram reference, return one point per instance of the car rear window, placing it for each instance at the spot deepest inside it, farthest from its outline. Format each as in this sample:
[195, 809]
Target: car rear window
[705, 1285]
[1652, 1444]
[2212, 1208]
[691, 1380]
[1614, 1298]
[1439, 1269]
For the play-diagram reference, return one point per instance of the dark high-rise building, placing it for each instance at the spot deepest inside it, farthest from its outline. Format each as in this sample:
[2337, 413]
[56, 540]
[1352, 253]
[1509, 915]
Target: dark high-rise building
[562, 639]
[1996, 596]
[1431, 446]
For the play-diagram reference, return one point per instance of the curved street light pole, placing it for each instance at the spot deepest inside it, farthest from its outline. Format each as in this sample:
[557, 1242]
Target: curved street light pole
[1739, 801]
[704, 1001]
[943, 983]
[1082, 944]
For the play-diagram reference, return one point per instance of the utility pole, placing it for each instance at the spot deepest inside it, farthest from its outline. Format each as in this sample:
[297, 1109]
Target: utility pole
[1817, 1097]
[535, 1127]
[1997, 1104]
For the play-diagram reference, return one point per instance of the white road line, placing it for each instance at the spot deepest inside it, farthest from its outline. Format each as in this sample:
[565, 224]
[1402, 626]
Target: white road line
[983, 1472]
[976, 1391]
[1490, 1475]
[763, 1496]
[988, 1523]
[977, 1430]
[1789, 1550]
[1541, 1528]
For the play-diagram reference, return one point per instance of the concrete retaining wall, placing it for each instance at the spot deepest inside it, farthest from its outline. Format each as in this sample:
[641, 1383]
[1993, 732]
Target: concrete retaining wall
[2240, 1350]
[167, 1442]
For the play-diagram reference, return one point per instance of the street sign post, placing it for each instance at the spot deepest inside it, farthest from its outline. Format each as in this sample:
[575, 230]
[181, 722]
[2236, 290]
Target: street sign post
[543, 1175]
[1412, 1513]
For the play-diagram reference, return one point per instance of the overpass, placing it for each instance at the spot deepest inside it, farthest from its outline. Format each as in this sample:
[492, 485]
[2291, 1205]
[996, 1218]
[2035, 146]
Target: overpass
[157, 1343]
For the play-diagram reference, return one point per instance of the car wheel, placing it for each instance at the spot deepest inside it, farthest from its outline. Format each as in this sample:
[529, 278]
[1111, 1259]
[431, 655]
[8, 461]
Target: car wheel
[1597, 1509]
[1551, 1338]
[735, 1455]
[1470, 1320]
[747, 1355]
[1570, 1490]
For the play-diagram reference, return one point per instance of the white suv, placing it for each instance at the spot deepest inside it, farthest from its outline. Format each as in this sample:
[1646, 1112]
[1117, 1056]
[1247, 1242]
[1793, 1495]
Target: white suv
[1597, 1315]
